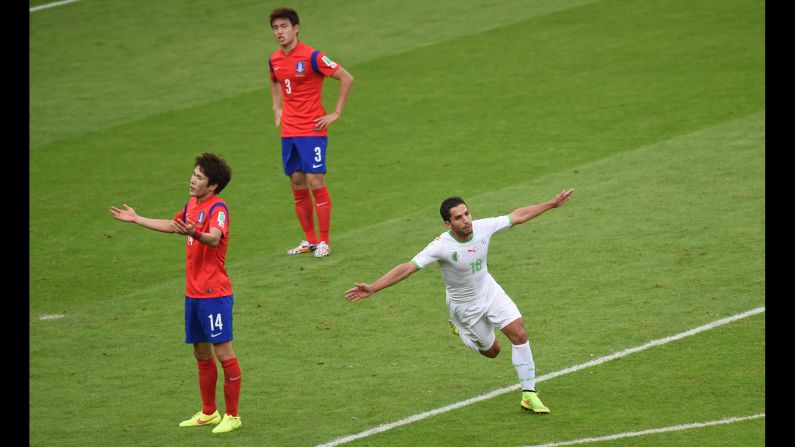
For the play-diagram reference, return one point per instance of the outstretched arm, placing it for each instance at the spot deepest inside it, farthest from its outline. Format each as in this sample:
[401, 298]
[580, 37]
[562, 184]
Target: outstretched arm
[129, 215]
[522, 215]
[346, 81]
[362, 291]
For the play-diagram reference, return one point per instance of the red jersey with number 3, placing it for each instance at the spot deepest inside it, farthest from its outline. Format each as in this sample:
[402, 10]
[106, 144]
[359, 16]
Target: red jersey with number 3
[205, 271]
[300, 75]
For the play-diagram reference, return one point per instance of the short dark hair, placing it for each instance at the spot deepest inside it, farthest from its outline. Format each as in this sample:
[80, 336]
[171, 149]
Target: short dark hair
[215, 169]
[448, 204]
[284, 13]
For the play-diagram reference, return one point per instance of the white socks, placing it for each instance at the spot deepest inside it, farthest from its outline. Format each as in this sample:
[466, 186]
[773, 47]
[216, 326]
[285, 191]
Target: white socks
[522, 359]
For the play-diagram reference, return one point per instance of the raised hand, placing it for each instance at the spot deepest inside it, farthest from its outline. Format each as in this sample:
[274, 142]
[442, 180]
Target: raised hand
[182, 227]
[563, 197]
[126, 215]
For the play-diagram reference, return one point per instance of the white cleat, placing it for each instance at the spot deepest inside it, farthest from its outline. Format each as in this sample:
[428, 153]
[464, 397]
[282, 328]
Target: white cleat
[322, 249]
[303, 247]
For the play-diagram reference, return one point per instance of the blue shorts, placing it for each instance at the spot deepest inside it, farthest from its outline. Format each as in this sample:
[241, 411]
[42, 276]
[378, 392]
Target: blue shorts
[307, 154]
[208, 319]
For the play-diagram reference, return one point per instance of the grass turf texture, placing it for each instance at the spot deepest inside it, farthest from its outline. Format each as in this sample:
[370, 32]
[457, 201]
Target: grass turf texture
[654, 112]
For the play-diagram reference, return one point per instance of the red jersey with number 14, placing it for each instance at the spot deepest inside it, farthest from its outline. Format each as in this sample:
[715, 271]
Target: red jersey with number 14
[205, 271]
[300, 75]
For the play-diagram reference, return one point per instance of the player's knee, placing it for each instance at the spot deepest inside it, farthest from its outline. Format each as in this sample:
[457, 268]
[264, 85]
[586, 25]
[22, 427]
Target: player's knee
[516, 332]
[202, 352]
[316, 182]
[493, 351]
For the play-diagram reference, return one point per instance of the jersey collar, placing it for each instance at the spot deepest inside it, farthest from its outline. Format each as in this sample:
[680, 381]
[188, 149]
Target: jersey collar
[471, 236]
[297, 46]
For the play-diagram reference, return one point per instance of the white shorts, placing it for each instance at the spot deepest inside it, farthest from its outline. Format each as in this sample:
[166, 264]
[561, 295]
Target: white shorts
[477, 321]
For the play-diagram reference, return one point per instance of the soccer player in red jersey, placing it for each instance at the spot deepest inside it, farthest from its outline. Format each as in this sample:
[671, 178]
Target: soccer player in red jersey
[297, 72]
[208, 291]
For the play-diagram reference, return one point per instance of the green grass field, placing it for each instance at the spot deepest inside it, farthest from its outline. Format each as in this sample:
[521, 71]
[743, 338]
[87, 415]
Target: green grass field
[653, 111]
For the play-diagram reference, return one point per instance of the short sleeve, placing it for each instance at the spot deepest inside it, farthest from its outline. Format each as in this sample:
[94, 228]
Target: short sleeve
[493, 225]
[429, 254]
[325, 65]
[219, 218]
[270, 71]
[181, 214]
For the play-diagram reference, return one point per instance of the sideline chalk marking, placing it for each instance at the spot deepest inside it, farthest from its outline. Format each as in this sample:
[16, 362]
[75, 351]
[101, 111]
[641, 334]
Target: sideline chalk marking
[730, 420]
[51, 5]
[495, 393]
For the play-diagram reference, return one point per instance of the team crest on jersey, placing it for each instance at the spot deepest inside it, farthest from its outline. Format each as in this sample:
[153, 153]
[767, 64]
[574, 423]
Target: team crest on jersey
[300, 67]
[329, 62]
[221, 219]
[201, 217]
[454, 256]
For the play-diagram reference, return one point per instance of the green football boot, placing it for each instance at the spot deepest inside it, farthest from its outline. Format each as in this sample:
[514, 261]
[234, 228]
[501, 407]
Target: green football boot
[228, 424]
[453, 329]
[202, 419]
[531, 402]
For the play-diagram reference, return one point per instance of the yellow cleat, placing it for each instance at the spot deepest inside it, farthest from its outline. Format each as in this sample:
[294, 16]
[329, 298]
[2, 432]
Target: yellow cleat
[202, 419]
[531, 402]
[228, 424]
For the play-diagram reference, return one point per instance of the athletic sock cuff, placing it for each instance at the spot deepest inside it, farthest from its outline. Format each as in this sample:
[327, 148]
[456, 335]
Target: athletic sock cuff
[229, 362]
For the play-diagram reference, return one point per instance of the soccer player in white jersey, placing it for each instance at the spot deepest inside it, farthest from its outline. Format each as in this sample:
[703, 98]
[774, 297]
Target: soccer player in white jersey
[477, 304]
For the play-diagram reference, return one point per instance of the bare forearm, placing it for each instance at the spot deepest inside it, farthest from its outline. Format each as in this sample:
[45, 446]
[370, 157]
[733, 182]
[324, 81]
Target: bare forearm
[346, 81]
[164, 225]
[522, 215]
[276, 95]
[210, 238]
[394, 276]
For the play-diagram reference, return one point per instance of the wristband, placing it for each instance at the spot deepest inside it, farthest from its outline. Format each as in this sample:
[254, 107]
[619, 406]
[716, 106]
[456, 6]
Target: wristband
[196, 234]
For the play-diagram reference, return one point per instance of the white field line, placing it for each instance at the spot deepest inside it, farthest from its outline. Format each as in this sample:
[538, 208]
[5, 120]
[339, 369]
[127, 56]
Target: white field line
[495, 393]
[51, 5]
[654, 430]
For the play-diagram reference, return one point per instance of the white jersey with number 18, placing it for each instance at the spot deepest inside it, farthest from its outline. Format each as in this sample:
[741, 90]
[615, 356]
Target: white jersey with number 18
[464, 264]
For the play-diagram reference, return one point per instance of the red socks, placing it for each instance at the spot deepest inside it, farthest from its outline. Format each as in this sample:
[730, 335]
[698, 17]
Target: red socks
[232, 378]
[208, 374]
[323, 209]
[303, 208]
[304, 211]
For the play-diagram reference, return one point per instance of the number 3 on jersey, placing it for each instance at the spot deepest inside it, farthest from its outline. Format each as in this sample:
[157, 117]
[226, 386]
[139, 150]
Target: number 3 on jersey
[287, 87]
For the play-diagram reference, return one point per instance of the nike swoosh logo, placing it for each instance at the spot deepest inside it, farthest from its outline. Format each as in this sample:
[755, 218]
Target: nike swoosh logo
[276, 68]
[215, 335]
[234, 378]
[201, 422]
[317, 166]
